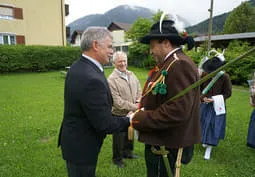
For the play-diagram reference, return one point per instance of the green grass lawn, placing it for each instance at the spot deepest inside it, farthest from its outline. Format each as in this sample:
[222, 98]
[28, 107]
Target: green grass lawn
[31, 109]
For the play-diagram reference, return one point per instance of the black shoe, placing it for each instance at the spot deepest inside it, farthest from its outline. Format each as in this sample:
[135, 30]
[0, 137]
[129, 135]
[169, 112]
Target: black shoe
[130, 156]
[119, 163]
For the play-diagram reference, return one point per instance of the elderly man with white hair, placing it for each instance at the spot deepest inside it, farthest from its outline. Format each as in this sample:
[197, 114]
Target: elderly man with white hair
[126, 92]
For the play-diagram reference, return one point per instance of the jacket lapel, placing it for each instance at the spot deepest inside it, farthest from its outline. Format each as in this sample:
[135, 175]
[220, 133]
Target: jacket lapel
[102, 76]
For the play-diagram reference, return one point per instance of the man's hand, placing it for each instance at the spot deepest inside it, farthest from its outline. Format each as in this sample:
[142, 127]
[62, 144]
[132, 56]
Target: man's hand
[130, 115]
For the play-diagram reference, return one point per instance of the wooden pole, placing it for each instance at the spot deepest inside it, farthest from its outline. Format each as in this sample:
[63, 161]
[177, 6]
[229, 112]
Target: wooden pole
[210, 26]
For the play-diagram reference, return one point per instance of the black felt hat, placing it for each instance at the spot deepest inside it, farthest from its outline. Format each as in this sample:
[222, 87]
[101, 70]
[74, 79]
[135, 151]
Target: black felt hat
[168, 31]
[212, 64]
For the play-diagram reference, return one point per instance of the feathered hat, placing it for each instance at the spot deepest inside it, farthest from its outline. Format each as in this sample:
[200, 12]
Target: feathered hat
[164, 31]
[212, 64]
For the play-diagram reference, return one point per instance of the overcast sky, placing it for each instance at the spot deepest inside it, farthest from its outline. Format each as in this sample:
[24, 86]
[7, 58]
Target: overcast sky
[194, 11]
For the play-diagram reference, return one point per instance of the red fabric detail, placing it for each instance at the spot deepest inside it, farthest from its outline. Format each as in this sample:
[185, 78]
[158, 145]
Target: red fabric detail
[151, 72]
[185, 34]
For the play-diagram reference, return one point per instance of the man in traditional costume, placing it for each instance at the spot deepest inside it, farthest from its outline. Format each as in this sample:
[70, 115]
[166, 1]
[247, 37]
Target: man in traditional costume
[168, 126]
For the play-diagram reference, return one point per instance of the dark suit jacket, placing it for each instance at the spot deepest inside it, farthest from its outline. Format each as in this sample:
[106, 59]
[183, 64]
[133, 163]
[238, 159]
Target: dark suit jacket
[87, 113]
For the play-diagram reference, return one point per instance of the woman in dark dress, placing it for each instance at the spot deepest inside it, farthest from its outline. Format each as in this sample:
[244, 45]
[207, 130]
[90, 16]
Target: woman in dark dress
[213, 125]
[251, 129]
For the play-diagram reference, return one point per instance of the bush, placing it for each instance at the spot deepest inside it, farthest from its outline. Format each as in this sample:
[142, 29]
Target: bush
[240, 71]
[20, 58]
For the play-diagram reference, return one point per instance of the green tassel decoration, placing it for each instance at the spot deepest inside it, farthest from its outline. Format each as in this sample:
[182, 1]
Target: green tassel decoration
[164, 73]
[163, 86]
[162, 91]
[159, 88]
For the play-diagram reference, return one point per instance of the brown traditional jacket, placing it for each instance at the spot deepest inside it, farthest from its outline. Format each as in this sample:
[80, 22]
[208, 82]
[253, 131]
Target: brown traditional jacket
[176, 123]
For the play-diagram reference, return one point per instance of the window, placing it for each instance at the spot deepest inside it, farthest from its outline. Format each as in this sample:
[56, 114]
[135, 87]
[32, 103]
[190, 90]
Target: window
[6, 12]
[67, 9]
[10, 12]
[117, 48]
[12, 40]
[125, 49]
[6, 38]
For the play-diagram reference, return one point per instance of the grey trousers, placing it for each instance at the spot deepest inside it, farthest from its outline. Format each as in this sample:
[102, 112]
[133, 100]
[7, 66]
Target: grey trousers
[121, 146]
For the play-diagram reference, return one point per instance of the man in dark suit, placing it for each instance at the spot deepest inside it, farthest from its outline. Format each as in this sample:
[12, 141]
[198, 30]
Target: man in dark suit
[87, 105]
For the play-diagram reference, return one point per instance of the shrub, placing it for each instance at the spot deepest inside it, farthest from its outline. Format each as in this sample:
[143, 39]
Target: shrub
[20, 58]
[240, 71]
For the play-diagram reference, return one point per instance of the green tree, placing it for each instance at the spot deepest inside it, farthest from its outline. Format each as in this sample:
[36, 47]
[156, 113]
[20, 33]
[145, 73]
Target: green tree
[241, 19]
[138, 53]
[240, 71]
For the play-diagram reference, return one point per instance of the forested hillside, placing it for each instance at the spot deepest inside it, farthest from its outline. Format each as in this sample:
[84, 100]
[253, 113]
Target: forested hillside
[217, 27]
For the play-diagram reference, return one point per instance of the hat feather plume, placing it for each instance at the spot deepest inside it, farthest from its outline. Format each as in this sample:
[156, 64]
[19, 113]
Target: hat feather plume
[161, 21]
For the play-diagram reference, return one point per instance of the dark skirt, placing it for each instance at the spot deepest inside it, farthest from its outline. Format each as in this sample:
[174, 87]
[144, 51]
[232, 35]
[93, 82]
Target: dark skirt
[251, 131]
[213, 127]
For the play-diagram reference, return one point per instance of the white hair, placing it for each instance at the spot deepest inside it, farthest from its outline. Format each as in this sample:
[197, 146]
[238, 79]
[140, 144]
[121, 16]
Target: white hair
[91, 34]
[119, 54]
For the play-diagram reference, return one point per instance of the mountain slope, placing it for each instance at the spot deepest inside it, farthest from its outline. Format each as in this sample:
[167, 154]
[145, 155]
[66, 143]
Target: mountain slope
[122, 14]
[202, 27]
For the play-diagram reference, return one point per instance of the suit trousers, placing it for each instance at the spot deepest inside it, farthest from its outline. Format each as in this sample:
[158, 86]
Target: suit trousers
[80, 170]
[121, 146]
[155, 164]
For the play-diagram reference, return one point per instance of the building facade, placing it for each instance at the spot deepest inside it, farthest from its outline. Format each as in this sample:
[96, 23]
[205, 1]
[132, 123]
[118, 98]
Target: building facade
[118, 32]
[33, 22]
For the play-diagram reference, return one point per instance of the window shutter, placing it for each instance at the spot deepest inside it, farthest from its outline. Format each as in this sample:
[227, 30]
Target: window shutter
[66, 9]
[18, 13]
[20, 39]
[68, 31]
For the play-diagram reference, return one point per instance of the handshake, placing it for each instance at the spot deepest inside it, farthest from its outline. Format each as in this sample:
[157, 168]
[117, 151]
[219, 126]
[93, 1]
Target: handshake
[131, 132]
[130, 115]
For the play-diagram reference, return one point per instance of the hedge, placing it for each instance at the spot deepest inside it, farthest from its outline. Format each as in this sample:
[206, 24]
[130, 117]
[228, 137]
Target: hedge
[20, 58]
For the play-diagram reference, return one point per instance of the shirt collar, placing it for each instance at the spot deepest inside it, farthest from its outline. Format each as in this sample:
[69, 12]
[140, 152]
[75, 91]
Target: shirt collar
[171, 52]
[94, 61]
[122, 74]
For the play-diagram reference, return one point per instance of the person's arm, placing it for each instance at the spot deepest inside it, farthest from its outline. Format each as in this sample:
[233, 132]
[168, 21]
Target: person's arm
[96, 105]
[227, 87]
